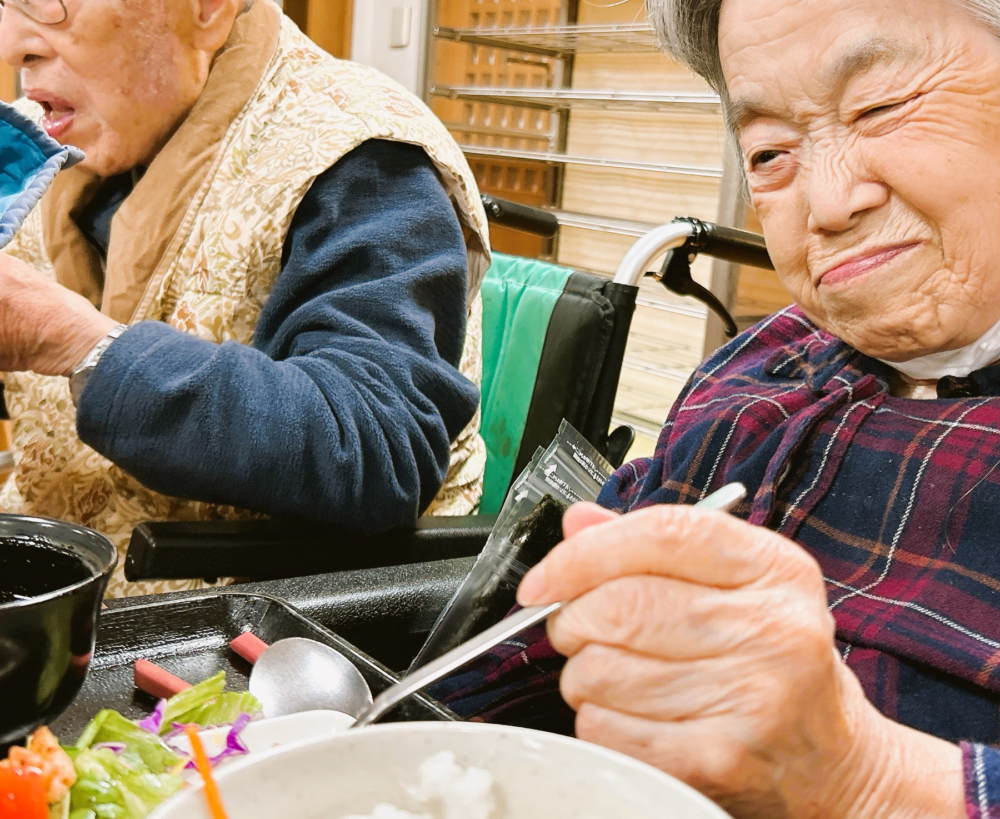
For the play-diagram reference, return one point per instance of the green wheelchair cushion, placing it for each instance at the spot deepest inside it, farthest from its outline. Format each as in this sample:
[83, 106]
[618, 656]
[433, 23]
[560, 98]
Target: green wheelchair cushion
[519, 296]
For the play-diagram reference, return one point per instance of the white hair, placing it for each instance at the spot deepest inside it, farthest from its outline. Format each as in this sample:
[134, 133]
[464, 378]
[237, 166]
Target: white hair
[689, 30]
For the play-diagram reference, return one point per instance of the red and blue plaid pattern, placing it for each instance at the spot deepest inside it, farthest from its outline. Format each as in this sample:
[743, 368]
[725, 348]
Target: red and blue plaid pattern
[898, 500]
[982, 780]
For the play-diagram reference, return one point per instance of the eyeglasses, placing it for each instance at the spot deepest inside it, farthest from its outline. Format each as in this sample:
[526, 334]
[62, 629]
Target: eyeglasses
[46, 12]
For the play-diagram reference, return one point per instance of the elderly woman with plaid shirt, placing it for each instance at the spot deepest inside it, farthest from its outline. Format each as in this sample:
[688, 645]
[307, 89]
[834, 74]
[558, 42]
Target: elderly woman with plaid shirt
[832, 649]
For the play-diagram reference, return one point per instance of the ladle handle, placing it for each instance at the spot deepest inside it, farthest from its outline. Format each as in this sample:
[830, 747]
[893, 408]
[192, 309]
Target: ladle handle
[493, 636]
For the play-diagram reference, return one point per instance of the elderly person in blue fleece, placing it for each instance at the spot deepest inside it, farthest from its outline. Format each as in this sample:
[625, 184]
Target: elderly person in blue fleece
[257, 294]
[832, 648]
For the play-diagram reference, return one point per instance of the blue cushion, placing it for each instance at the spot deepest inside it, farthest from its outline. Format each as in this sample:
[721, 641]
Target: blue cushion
[29, 161]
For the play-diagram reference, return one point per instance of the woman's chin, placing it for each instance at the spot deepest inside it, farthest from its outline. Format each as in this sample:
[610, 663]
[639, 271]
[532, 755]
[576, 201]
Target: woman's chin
[101, 160]
[896, 341]
[896, 345]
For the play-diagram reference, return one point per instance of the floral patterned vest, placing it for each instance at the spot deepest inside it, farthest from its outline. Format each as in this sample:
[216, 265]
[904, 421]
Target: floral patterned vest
[212, 275]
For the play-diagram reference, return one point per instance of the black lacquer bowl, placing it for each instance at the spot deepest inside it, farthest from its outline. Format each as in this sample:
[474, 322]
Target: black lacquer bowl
[52, 578]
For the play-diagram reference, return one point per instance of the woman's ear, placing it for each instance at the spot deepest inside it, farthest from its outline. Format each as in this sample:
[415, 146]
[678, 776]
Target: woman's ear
[214, 22]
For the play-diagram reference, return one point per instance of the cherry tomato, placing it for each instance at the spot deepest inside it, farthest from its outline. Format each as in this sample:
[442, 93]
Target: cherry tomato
[22, 794]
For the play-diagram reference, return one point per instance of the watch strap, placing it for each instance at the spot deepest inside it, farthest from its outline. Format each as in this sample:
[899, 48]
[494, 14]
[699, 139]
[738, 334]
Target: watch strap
[81, 373]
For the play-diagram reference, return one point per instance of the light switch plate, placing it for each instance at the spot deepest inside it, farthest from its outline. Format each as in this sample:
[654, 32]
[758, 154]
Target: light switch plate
[400, 27]
[391, 35]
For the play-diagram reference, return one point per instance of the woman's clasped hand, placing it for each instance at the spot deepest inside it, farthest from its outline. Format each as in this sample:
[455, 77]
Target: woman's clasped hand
[703, 646]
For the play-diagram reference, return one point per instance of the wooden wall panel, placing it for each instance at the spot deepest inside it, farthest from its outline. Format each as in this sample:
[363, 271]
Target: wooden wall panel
[328, 24]
[603, 252]
[646, 136]
[611, 11]
[298, 10]
[589, 250]
[638, 195]
[8, 83]
[529, 183]
[665, 341]
[667, 335]
[644, 403]
[5, 444]
[501, 126]
[758, 292]
[649, 71]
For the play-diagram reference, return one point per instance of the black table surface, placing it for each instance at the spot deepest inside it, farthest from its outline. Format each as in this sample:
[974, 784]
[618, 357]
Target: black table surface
[386, 612]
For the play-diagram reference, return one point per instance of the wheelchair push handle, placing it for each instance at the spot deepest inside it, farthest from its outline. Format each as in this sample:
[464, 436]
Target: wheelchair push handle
[692, 237]
[520, 217]
[728, 244]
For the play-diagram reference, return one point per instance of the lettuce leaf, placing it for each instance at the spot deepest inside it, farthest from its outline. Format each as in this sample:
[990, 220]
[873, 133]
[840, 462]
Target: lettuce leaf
[118, 786]
[139, 770]
[184, 707]
[206, 705]
[110, 726]
[223, 711]
[123, 785]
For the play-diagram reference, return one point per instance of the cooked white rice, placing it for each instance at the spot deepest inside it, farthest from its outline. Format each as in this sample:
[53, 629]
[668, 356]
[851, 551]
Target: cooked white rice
[390, 812]
[448, 790]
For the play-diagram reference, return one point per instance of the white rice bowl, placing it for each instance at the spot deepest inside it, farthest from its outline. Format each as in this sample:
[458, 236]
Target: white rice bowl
[375, 773]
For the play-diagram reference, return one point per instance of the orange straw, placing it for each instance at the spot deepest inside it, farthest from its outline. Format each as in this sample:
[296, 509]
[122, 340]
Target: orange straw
[212, 795]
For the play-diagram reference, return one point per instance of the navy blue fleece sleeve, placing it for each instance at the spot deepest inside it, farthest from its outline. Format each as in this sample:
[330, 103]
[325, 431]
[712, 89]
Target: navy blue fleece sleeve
[344, 407]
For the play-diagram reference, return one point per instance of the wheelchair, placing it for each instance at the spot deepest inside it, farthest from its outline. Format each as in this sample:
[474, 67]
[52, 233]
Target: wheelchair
[553, 346]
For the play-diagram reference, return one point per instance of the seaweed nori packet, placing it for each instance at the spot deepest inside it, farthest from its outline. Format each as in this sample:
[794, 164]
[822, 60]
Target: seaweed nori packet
[529, 526]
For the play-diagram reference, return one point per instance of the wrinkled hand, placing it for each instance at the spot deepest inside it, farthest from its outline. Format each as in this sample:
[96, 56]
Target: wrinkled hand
[43, 326]
[703, 645]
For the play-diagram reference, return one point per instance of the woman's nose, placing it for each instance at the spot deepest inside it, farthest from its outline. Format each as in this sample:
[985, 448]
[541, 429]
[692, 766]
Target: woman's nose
[840, 191]
[21, 42]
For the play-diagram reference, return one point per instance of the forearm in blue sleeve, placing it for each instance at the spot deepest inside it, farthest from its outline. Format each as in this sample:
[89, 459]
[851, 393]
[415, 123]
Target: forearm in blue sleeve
[344, 407]
[982, 780]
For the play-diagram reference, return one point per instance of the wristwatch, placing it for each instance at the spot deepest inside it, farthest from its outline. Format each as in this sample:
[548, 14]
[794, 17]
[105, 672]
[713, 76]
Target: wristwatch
[81, 373]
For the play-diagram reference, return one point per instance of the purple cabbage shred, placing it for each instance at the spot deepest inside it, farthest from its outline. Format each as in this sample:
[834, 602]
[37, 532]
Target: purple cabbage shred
[235, 746]
[176, 730]
[154, 722]
[234, 742]
[117, 747]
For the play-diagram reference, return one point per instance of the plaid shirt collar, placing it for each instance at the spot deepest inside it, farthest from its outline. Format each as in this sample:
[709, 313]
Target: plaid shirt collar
[824, 363]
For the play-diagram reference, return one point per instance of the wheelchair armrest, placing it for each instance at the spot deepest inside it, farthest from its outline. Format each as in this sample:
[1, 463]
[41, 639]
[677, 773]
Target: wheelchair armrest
[268, 549]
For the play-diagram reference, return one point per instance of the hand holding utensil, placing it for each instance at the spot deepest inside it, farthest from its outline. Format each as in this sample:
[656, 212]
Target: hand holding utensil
[724, 499]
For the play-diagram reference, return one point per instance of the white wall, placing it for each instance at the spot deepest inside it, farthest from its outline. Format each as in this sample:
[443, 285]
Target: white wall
[391, 35]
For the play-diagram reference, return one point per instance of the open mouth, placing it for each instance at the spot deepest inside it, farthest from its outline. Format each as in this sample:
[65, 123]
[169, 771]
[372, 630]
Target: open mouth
[58, 115]
[57, 121]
